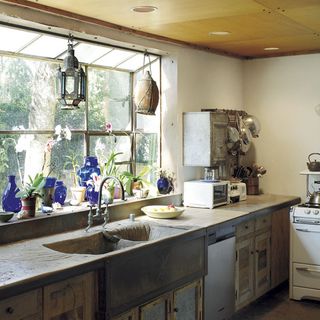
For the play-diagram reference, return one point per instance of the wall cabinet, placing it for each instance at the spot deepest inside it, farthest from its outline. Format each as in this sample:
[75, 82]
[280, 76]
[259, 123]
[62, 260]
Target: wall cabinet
[70, 299]
[204, 138]
[252, 260]
[184, 303]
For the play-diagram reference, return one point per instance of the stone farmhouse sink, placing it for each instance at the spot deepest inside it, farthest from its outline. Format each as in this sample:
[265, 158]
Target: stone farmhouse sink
[114, 238]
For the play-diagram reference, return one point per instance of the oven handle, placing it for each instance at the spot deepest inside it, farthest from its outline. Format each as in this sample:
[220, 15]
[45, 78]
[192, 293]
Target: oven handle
[307, 230]
[308, 269]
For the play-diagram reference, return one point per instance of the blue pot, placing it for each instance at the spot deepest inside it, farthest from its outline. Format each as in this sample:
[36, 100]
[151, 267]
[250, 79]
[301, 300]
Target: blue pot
[164, 185]
[9, 201]
[89, 167]
[60, 192]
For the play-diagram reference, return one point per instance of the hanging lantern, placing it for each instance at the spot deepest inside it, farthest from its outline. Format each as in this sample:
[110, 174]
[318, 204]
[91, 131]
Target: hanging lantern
[71, 81]
[146, 92]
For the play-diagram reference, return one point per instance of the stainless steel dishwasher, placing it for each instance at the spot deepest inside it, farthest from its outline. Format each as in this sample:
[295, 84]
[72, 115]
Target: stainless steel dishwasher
[219, 286]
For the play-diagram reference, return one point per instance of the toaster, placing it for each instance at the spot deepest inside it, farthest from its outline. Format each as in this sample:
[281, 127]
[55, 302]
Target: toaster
[240, 188]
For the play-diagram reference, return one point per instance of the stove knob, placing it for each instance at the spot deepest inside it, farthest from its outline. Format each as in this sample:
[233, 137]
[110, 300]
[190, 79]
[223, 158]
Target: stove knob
[307, 211]
[316, 212]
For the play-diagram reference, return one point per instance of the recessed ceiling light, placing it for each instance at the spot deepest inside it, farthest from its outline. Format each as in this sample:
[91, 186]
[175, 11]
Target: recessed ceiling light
[144, 9]
[271, 49]
[219, 33]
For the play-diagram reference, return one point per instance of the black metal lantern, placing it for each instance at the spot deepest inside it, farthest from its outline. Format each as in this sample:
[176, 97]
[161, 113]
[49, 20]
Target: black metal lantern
[71, 81]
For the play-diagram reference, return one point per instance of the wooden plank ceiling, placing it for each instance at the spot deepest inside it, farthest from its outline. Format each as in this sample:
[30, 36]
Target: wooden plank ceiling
[293, 26]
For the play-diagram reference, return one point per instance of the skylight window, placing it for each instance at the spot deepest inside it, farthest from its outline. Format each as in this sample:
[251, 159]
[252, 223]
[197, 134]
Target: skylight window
[114, 58]
[46, 46]
[13, 40]
[33, 43]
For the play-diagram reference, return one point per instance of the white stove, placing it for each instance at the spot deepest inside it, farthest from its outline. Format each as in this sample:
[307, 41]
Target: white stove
[305, 252]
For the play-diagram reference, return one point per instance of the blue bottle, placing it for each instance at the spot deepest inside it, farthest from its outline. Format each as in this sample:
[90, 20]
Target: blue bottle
[60, 192]
[90, 166]
[92, 195]
[9, 200]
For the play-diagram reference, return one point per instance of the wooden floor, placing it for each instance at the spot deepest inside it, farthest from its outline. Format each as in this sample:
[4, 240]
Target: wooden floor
[276, 305]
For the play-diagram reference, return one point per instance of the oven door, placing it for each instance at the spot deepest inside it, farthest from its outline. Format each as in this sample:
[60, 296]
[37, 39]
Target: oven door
[220, 194]
[305, 243]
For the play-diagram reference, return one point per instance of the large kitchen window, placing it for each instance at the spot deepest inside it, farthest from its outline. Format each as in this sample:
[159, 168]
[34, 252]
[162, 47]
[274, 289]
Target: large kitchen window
[36, 135]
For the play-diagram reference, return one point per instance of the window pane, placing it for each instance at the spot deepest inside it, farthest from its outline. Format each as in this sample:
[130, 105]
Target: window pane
[28, 97]
[14, 39]
[109, 99]
[64, 154]
[46, 46]
[115, 57]
[103, 146]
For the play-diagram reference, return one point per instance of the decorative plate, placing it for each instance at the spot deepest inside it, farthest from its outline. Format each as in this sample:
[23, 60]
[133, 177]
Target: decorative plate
[162, 212]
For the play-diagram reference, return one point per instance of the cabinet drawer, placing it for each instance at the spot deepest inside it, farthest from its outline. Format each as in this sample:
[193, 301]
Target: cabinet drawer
[245, 228]
[305, 275]
[22, 306]
[263, 222]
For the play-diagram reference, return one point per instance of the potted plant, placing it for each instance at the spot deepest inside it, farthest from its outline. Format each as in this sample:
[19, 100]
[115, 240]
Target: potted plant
[135, 182]
[29, 193]
[110, 168]
[77, 192]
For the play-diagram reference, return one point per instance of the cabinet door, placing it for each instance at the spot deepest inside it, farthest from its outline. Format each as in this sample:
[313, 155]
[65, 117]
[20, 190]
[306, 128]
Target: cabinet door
[26, 306]
[244, 271]
[262, 263]
[72, 299]
[130, 315]
[187, 302]
[159, 309]
[280, 246]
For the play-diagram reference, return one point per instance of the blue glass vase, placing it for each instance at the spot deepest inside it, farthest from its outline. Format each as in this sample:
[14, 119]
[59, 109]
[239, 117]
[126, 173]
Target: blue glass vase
[9, 200]
[92, 195]
[60, 192]
[89, 167]
[164, 185]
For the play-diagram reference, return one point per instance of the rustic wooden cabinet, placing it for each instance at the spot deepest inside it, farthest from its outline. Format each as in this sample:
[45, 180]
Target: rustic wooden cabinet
[70, 299]
[252, 260]
[188, 302]
[244, 270]
[26, 306]
[184, 303]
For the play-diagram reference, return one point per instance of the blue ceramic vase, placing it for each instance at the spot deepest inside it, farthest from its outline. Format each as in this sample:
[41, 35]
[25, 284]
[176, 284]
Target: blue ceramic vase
[9, 200]
[92, 195]
[164, 185]
[60, 192]
[89, 167]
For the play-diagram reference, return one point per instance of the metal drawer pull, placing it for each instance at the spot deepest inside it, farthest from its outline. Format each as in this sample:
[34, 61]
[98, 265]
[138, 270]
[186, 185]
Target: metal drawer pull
[10, 310]
[308, 269]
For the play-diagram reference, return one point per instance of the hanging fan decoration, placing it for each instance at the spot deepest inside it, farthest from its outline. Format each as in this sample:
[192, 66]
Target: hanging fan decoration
[146, 92]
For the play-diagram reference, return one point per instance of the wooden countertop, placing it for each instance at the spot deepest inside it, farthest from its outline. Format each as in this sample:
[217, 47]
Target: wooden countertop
[26, 262]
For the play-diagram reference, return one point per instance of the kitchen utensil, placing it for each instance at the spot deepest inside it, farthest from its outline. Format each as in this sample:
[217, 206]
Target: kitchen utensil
[315, 198]
[253, 124]
[313, 165]
[245, 135]
[211, 174]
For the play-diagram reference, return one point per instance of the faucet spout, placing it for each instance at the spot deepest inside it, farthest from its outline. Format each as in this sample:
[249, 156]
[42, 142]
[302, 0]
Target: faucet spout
[99, 214]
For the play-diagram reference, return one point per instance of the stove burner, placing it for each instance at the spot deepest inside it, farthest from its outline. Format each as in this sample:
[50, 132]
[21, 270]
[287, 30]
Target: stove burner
[309, 205]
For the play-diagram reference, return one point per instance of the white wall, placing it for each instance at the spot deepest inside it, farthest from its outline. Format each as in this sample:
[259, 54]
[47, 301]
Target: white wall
[283, 92]
[191, 79]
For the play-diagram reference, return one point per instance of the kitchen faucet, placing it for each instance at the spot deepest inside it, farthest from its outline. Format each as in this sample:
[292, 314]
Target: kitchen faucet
[105, 215]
